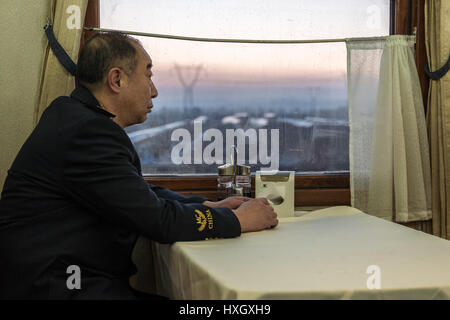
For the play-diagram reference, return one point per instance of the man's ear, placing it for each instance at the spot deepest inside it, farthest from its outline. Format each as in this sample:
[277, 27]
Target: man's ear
[116, 79]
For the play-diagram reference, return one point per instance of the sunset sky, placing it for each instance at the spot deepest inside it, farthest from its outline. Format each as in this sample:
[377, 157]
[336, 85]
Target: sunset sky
[286, 65]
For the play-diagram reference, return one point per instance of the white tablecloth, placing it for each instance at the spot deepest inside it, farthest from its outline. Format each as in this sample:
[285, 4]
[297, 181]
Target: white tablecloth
[321, 255]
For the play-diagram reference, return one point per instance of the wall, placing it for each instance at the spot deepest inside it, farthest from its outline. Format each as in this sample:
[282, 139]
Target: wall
[22, 46]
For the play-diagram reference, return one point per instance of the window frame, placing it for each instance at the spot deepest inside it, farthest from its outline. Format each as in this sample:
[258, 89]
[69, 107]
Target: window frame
[311, 190]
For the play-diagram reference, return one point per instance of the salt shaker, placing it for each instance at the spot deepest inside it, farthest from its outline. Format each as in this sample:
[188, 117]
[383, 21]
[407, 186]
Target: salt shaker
[224, 181]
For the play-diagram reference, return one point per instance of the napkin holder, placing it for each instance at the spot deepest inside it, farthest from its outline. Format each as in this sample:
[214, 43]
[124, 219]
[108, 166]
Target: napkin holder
[278, 188]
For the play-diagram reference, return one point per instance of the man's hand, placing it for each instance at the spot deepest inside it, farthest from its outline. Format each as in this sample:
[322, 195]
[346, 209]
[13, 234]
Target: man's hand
[255, 215]
[230, 203]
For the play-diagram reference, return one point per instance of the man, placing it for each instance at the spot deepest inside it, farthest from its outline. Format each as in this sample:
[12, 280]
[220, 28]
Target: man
[75, 199]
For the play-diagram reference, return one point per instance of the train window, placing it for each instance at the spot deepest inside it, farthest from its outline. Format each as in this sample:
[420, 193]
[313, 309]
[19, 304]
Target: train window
[283, 105]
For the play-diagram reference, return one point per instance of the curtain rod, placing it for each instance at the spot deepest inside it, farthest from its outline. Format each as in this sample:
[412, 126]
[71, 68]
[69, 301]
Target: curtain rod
[166, 36]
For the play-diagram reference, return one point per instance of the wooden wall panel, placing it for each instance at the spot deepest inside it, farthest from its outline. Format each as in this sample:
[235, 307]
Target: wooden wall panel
[92, 19]
[417, 10]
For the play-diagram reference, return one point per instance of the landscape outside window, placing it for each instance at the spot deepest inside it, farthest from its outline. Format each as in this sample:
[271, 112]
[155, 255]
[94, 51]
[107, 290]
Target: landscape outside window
[283, 105]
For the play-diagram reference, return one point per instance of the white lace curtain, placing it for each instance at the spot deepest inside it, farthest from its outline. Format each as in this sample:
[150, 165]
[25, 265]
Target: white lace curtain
[389, 156]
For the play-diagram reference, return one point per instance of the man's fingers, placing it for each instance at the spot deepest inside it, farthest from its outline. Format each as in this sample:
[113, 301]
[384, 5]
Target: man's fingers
[270, 208]
[275, 223]
[264, 200]
[256, 214]
[242, 198]
[272, 213]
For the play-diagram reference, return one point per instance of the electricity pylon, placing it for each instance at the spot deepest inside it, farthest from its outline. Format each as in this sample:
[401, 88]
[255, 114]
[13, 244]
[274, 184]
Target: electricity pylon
[188, 84]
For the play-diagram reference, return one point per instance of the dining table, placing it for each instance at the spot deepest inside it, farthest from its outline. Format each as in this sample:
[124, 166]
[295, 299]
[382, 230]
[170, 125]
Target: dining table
[337, 252]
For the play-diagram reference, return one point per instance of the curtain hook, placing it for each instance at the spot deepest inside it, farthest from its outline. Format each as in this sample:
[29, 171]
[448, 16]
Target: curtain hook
[48, 24]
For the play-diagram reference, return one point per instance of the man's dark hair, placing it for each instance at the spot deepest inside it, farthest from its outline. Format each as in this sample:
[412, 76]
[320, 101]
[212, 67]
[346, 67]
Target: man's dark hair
[103, 51]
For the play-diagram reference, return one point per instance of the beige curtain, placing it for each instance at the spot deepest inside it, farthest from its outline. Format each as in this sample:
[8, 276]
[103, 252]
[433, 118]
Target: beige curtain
[55, 80]
[437, 38]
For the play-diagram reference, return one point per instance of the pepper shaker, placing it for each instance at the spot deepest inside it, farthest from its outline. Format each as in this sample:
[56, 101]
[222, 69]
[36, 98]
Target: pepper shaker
[244, 180]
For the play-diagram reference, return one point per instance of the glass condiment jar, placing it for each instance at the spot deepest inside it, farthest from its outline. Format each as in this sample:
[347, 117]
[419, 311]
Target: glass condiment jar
[244, 180]
[225, 181]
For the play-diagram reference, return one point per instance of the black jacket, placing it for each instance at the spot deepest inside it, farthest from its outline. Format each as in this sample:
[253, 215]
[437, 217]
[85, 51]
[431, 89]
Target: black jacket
[75, 195]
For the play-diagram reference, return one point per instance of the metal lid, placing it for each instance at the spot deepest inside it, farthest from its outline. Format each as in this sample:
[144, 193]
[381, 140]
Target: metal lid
[228, 170]
[243, 170]
[225, 170]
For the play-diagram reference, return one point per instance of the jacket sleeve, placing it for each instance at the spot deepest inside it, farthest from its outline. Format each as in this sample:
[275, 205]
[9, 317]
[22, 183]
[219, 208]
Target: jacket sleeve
[172, 195]
[100, 176]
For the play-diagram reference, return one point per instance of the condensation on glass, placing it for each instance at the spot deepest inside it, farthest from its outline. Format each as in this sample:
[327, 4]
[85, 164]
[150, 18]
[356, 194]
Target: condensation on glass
[284, 105]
